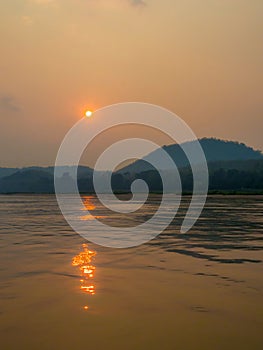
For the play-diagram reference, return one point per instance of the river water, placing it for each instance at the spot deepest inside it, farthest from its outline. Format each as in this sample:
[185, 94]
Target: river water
[200, 290]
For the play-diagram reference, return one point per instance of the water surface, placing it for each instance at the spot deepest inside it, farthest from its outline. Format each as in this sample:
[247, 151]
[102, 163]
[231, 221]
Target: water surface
[201, 290]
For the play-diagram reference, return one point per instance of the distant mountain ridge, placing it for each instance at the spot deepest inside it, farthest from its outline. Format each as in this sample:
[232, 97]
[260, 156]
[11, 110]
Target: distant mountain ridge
[214, 150]
[82, 170]
[27, 181]
[232, 165]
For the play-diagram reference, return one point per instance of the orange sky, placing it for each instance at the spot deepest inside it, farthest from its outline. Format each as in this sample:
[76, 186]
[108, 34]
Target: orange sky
[202, 59]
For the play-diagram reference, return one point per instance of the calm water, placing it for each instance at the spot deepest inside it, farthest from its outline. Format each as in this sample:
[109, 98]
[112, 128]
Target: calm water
[202, 290]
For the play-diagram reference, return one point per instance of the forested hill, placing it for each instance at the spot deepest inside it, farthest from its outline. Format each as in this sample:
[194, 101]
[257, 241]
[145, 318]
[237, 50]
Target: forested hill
[232, 166]
[214, 150]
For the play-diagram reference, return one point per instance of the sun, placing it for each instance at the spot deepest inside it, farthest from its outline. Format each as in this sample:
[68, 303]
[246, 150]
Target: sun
[88, 114]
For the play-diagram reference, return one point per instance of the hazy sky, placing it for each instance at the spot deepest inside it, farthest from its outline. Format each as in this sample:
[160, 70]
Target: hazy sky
[202, 59]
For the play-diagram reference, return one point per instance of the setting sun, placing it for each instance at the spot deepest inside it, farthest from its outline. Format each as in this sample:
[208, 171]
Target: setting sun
[88, 114]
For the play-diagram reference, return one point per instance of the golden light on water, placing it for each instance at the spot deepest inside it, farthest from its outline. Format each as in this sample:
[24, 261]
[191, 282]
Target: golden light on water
[84, 263]
[90, 207]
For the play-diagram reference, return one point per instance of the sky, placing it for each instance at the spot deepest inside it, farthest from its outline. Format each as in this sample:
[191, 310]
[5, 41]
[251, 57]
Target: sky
[201, 59]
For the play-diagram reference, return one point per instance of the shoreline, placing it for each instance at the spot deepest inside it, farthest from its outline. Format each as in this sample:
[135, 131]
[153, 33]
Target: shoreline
[210, 193]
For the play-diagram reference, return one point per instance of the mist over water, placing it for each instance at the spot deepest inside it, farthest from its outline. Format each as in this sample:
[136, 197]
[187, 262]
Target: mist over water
[200, 290]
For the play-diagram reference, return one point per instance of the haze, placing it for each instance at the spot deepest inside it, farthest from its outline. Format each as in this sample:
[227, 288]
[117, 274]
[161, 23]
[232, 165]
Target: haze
[200, 59]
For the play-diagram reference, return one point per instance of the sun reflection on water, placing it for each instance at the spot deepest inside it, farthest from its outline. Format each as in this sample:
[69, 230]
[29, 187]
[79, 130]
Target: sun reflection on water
[90, 207]
[87, 270]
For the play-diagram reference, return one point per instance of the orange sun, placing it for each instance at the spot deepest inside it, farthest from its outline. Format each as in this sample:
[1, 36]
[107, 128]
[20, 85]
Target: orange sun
[88, 114]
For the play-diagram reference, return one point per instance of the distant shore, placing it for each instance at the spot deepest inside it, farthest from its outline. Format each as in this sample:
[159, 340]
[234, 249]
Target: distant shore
[210, 193]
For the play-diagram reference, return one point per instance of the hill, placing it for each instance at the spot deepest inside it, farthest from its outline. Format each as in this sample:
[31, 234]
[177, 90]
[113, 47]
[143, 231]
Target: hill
[241, 176]
[7, 171]
[215, 150]
[27, 181]
[232, 166]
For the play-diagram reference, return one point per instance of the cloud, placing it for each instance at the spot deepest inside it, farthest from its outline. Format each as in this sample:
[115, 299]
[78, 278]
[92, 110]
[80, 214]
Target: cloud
[9, 104]
[138, 2]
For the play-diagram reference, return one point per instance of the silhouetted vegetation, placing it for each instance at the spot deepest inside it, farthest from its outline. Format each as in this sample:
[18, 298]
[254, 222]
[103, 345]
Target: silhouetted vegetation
[233, 167]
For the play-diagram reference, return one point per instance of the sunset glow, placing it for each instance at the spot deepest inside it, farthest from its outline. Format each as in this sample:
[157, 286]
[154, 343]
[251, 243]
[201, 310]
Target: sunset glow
[131, 175]
[88, 114]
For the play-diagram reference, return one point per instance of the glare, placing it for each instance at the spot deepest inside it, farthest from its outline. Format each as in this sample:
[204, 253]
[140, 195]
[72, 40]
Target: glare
[88, 114]
[84, 263]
